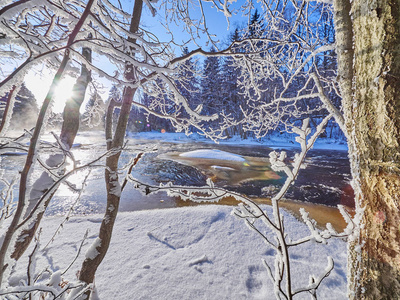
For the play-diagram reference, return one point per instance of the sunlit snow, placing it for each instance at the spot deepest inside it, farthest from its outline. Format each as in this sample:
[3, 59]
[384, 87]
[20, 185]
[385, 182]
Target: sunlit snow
[187, 253]
[213, 154]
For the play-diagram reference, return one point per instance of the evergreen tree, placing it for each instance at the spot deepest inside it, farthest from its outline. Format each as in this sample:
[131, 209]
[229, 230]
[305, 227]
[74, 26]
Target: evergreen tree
[255, 25]
[93, 117]
[187, 80]
[157, 98]
[137, 118]
[231, 99]
[211, 93]
[25, 102]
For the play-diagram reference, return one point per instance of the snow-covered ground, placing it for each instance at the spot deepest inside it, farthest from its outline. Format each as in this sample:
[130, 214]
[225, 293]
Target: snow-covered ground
[188, 253]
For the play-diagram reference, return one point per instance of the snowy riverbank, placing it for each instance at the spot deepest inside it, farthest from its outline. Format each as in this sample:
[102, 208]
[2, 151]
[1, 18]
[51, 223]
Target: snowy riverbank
[188, 253]
[273, 141]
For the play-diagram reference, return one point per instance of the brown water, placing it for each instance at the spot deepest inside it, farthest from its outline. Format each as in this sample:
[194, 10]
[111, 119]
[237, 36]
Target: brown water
[230, 171]
[236, 173]
[322, 214]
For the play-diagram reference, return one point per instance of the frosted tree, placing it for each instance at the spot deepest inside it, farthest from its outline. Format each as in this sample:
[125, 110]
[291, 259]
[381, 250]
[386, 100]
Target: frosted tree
[281, 60]
[255, 29]
[21, 33]
[143, 62]
[232, 100]
[24, 109]
[189, 75]
[93, 116]
[367, 35]
[210, 84]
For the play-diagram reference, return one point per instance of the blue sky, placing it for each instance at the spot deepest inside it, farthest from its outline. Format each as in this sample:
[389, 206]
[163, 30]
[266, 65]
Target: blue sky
[216, 22]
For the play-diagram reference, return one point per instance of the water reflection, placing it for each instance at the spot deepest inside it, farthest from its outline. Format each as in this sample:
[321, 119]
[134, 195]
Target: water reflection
[230, 172]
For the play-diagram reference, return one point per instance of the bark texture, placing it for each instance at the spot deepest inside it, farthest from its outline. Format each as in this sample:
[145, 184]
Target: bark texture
[345, 56]
[375, 124]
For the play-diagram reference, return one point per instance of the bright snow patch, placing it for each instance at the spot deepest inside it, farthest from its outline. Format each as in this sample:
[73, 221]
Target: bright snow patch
[92, 252]
[191, 253]
[222, 168]
[213, 154]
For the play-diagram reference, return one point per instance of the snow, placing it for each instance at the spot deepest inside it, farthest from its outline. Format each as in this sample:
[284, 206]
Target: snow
[197, 252]
[92, 252]
[222, 168]
[273, 141]
[213, 154]
[186, 253]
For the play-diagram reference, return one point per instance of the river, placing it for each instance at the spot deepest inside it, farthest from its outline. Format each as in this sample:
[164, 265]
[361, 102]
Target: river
[325, 180]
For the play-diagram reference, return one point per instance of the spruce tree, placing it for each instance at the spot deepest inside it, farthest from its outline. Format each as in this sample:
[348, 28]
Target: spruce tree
[231, 99]
[211, 93]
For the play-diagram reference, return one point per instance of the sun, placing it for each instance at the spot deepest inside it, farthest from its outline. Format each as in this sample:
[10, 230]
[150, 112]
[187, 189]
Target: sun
[39, 84]
[62, 93]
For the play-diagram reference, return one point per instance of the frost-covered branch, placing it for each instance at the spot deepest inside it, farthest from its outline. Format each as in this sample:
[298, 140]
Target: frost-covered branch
[328, 104]
[278, 162]
[45, 284]
[254, 216]
[315, 282]
[33, 149]
[25, 225]
[131, 164]
[95, 163]
[278, 60]
[208, 193]
[70, 211]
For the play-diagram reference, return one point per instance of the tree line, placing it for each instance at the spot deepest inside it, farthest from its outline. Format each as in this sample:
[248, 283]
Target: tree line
[213, 85]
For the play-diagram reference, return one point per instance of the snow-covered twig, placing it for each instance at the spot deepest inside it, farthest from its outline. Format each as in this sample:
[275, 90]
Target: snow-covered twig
[252, 213]
[132, 164]
[315, 282]
[77, 253]
[7, 197]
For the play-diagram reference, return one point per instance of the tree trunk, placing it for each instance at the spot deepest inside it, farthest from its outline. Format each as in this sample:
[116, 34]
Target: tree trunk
[7, 111]
[373, 120]
[90, 264]
[15, 226]
[70, 127]
[71, 115]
